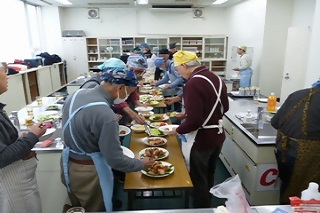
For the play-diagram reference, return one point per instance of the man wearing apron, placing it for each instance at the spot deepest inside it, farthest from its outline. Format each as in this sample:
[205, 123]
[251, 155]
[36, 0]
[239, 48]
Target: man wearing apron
[91, 135]
[245, 67]
[18, 184]
[205, 101]
[298, 141]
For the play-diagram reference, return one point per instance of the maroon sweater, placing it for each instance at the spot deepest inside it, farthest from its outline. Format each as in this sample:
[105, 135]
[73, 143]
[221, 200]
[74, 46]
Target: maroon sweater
[199, 98]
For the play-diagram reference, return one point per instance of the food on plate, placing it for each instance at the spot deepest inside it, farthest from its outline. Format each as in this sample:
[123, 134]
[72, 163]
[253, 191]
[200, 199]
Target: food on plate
[146, 114]
[138, 127]
[52, 107]
[156, 132]
[46, 143]
[172, 114]
[158, 124]
[157, 117]
[122, 132]
[155, 141]
[153, 102]
[159, 169]
[47, 117]
[154, 153]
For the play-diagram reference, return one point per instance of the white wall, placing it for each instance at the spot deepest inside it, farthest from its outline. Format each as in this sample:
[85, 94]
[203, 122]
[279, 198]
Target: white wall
[52, 30]
[135, 22]
[246, 27]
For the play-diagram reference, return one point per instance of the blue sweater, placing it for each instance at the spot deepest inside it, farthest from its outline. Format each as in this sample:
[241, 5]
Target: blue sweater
[172, 75]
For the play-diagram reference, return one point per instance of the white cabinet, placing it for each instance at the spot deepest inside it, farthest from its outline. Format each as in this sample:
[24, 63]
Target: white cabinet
[55, 77]
[75, 54]
[44, 81]
[156, 44]
[14, 98]
[256, 165]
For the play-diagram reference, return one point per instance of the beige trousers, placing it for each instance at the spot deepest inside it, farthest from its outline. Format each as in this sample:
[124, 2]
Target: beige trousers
[85, 187]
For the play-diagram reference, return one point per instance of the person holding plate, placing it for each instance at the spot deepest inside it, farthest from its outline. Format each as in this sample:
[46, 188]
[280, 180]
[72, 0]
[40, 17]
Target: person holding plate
[18, 183]
[91, 135]
[205, 101]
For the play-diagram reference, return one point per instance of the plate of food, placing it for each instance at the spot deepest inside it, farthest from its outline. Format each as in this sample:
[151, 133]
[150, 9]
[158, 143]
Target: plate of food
[168, 128]
[143, 109]
[127, 152]
[157, 97]
[123, 130]
[155, 152]
[155, 141]
[54, 107]
[134, 122]
[172, 114]
[158, 124]
[159, 117]
[156, 132]
[138, 128]
[48, 116]
[159, 169]
[146, 114]
[152, 103]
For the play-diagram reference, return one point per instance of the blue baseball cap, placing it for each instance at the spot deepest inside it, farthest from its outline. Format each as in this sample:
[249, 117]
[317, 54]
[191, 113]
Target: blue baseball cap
[145, 45]
[159, 61]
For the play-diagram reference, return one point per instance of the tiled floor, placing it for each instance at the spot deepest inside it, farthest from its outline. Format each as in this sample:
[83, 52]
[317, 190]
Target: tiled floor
[167, 203]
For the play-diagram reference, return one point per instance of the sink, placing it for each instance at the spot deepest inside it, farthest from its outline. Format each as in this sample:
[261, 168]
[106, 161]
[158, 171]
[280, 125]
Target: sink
[267, 134]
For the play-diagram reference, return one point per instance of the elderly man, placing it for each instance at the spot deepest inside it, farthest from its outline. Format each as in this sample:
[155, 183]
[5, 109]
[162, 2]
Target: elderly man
[245, 67]
[205, 101]
[91, 134]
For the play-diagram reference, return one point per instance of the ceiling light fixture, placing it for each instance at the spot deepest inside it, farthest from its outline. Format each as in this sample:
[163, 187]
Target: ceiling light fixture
[220, 1]
[142, 1]
[64, 2]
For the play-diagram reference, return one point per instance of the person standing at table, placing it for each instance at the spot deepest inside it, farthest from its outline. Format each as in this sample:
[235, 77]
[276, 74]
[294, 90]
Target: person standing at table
[298, 141]
[18, 183]
[91, 135]
[245, 67]
[205, 101]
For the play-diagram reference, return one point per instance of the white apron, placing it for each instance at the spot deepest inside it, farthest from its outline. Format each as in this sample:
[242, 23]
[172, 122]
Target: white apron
[18, 188]
[188, 141]
[103, 169]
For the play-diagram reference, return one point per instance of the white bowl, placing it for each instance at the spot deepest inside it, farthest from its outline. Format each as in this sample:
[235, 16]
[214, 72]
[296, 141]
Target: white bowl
[127, 152]
[168, 128]
[143, 109]
[138, 128]
[124, 128]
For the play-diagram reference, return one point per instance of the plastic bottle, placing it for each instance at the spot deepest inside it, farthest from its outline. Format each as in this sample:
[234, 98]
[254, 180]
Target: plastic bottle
[312, 192]
[272, 103]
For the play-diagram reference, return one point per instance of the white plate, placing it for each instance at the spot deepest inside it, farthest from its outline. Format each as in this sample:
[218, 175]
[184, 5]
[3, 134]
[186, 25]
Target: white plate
[159, 176]
[143, 109]
[157, 124]
[134, 122]
[166, 153]
[263, 100]
[138, 128]
[127, 152]
[168, 128]
[127, 129]
[145, 141]
[146, 114]
[153, 103]
[165, 117]
[157, 98]
[48, 113]
[162, 86]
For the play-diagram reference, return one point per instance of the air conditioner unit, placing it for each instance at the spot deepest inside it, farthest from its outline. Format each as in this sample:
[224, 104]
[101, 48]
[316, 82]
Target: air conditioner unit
[198, 13]
[93, 13]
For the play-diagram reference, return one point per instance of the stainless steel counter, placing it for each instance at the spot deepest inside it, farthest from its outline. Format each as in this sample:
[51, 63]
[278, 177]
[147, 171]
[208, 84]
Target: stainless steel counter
[265, 136]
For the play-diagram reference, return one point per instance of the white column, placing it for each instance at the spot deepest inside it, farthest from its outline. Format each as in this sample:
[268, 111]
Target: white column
[313, 66]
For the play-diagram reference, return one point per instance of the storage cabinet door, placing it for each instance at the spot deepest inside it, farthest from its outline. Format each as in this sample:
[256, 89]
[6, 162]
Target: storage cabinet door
[55, 77]
[44, 81]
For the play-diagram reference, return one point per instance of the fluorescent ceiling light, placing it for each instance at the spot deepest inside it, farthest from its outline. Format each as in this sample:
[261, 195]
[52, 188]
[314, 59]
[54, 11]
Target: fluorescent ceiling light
[220, 1]
[142, 1]
[64, 2]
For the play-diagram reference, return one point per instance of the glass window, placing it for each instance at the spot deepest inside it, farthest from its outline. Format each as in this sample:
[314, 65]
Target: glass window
[20, 32]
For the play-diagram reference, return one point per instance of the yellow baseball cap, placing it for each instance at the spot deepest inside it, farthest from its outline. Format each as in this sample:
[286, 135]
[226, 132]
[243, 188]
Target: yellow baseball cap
[182, 57]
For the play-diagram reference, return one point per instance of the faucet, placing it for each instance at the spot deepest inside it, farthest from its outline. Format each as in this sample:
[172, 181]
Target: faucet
[260, 117]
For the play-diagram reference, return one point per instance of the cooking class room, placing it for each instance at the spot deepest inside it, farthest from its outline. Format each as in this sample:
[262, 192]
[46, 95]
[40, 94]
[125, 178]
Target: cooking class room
[159, 106]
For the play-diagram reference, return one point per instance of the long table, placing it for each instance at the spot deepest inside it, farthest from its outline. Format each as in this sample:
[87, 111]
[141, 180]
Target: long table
[178, 180]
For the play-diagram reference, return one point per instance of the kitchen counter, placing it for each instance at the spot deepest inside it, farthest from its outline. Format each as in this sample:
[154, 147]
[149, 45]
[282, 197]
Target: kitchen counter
[265, 136]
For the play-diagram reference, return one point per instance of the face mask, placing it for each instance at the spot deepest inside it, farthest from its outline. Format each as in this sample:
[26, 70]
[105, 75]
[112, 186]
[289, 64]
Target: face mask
[118, 100]
[163, 69]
